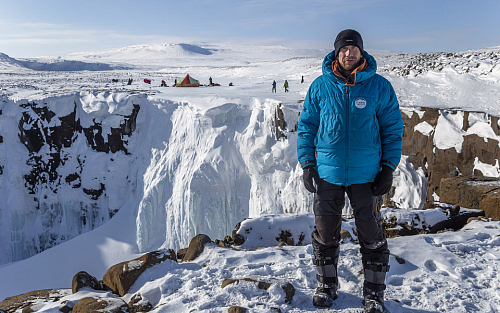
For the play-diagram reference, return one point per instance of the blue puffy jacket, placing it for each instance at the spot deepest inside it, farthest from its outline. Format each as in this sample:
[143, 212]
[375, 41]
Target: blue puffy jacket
[350, 131]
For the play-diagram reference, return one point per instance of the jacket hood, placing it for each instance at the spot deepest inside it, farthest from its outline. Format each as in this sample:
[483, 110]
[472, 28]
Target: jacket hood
[361, 76]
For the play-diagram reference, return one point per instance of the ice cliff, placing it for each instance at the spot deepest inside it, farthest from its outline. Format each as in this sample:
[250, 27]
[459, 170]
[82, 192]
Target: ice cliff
[69, 163]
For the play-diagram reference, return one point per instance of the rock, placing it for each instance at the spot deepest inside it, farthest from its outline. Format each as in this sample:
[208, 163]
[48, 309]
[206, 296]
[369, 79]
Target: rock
[490, 204]
[236, 309]
[476, 218]
[238, 239]
[286, 237]
[27, 309]
[25, 300]
[100, 304]
[84, 279]
[289, 290]
[345, 235]
[456, 219]
[196, 247]
[138, 304]
[181, 253]
[120, 277]
[440, 164]
[67, 306]
[470, 192]
[279, 122]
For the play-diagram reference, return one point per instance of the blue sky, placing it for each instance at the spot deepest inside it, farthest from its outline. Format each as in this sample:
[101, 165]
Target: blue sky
[32, 28]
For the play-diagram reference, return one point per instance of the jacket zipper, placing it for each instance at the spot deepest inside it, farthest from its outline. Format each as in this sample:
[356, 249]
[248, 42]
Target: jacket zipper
[346, 90]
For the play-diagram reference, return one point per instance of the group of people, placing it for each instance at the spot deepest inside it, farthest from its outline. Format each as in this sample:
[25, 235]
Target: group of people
[285, 85]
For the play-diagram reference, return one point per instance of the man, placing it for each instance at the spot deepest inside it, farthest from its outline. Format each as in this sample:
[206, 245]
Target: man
[349, 141]
[286, 85]
[274, 86]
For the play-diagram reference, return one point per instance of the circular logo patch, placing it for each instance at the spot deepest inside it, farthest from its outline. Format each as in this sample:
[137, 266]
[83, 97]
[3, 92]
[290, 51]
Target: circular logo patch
[360, 103]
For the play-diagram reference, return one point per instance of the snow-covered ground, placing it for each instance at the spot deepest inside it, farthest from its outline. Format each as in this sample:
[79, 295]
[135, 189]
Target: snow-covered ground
[446, 272]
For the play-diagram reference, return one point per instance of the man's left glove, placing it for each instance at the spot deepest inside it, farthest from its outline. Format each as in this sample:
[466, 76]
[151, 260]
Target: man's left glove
[383, 181]
[311, 178]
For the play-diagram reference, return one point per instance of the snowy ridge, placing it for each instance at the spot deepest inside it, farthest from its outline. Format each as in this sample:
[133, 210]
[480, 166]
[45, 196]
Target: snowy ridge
[480, 62]
[8, 63]
[145, 52]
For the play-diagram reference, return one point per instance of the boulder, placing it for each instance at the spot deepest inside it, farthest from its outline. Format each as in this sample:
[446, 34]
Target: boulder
[101, 304]
[196, 247]
[181, 253]
[473, 193]
[84, 279]
[238, 239]
[24, 301]
[286, 237]
[120, 277]
[138, 304]
[237, 309]
[490, 204]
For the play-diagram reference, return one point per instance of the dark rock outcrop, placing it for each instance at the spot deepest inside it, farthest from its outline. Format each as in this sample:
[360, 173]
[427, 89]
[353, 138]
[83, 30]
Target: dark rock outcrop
[438, 163]
[37, 129]
[279, 123]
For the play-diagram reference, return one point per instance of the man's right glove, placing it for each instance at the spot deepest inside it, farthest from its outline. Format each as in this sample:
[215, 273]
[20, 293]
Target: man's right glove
[311, 178]
[383, 181]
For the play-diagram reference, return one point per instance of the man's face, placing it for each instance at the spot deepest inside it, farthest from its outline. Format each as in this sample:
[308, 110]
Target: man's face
[349, 57]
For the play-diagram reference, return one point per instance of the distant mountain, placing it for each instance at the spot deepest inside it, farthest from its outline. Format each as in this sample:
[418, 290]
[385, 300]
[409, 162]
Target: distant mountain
[6, 62]
[55, 64]
[183, 54]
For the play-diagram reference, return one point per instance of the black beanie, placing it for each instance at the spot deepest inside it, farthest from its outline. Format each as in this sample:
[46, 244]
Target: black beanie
[348, 37]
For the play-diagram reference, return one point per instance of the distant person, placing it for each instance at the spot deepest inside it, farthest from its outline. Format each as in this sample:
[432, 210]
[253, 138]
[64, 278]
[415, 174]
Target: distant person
[129, 81]
[286, 85]
[210, 79]
[274, 86]
[163, 83]
[350, 135]
[175, 82]
[302, 80]
[230, 84]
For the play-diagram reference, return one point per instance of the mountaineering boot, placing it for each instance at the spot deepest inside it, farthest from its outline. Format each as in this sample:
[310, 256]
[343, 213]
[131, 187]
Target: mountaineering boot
[325, 259]
[374, 286]
[373, 300]
[324, 295]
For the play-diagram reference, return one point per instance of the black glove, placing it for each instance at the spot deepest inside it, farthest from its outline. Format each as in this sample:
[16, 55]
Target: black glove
[311, 178]
[383, 181]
